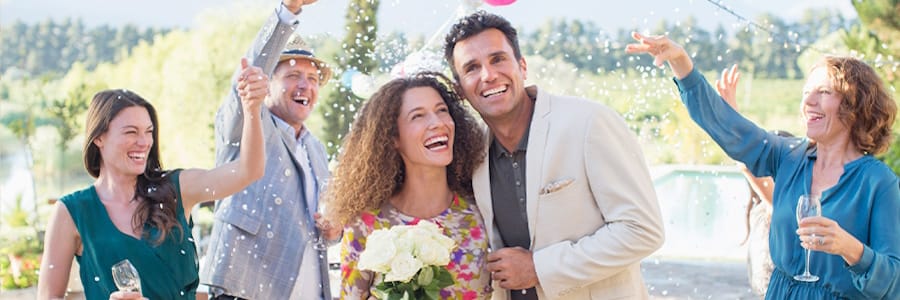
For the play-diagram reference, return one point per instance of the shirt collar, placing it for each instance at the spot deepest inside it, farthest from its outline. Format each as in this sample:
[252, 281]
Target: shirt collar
[284, 126]
[499, 150]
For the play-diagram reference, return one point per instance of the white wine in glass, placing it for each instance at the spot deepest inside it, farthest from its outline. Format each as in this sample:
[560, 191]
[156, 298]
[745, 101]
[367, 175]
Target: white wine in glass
[126, 277]
[807, 206]
[320, 240]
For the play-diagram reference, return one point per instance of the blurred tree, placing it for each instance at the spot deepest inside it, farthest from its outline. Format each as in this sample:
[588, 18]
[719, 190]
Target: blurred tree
[877, 38]
[359, 49]
[66, 113]
[52, 46]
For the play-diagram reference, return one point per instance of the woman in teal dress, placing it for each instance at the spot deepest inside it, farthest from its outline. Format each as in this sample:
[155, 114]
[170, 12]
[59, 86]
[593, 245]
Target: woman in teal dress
[135, 210]
[409, 156]
[849, 114]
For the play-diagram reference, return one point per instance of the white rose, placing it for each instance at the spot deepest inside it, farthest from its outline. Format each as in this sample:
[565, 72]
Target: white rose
[428, 225]
[437, 234]
[445, 241]
[379, 252]
[404, 238]
[403, 268]
[431, 252]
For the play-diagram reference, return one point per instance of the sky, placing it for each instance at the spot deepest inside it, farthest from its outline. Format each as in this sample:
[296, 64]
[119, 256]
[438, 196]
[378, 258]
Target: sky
[424, 17]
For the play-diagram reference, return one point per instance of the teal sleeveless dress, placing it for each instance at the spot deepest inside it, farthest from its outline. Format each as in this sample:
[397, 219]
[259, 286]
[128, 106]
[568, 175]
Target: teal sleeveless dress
[167, 271]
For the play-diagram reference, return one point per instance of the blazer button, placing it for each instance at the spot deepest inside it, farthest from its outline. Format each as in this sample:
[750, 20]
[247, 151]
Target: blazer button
[287, 172]
[278, 200]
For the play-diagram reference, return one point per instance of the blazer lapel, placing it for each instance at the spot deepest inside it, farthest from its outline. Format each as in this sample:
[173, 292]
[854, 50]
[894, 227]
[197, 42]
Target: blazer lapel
[534, 158]
[481, 187]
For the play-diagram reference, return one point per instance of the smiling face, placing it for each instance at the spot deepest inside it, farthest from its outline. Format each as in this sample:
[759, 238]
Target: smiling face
[491, 77]
[425, 129]
[821, 106]
[125, 146]
[294, 91]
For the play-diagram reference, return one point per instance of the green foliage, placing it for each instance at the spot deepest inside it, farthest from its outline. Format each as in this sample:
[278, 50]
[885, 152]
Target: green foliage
[18, 272]
[591, 48]
[21, 250]
[52, 47]
[892, 156]
[426, 284]
[358, 45]
[878, 40]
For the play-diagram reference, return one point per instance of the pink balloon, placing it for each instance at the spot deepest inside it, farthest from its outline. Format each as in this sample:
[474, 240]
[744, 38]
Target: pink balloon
[499, 2]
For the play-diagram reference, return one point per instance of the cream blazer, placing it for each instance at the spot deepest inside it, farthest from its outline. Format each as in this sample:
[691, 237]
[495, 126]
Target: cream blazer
[592, 210]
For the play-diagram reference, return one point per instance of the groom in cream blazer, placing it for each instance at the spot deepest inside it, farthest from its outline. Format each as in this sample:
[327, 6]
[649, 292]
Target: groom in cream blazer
[564, 190]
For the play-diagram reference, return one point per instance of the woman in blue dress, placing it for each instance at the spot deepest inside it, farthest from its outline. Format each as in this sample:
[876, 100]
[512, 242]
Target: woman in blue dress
[849, 114]
[137, 211]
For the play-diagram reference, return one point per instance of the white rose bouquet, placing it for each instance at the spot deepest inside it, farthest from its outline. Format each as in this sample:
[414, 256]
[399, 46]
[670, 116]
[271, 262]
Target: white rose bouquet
[410, 260]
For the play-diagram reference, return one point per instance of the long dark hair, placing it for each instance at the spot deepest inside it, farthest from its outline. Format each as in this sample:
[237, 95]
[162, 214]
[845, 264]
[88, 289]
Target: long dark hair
[154, 192]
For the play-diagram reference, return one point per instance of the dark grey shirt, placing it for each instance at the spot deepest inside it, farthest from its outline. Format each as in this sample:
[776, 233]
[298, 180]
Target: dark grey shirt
[508, 199]
[508, 193]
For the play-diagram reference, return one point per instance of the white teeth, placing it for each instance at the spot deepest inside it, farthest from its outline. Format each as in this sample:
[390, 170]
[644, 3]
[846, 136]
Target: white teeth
[433, 141]
[137, 156]
[302, 100]
[493, 91]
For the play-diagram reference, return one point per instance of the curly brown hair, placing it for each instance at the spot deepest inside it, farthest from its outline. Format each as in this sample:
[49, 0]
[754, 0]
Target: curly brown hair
[153, 189]
[370, 169]
[868, 108]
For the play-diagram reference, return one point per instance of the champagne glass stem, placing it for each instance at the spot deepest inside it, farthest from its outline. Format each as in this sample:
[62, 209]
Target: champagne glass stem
[808, 252]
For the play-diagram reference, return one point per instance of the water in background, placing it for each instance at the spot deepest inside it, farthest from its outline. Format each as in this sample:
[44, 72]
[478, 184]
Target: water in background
[704, 211]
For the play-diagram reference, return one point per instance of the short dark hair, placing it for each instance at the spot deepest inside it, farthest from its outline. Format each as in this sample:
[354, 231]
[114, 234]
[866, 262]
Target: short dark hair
[474, 24]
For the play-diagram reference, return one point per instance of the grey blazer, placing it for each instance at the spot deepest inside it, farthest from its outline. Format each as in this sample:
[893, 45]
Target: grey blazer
[259, 234]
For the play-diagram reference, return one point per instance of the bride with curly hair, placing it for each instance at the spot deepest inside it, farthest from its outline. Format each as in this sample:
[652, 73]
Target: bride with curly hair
[409, 156]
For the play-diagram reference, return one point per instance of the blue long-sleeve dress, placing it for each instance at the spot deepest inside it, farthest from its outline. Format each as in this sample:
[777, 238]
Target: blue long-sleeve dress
[865, 202]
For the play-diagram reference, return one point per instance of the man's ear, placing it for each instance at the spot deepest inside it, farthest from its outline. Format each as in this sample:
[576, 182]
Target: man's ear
[458, 89]
[524, 67]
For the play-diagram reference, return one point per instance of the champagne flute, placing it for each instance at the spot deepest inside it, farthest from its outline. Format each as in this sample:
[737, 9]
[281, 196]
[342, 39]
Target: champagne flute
[808, 206]
[320, 240]
[126, 276]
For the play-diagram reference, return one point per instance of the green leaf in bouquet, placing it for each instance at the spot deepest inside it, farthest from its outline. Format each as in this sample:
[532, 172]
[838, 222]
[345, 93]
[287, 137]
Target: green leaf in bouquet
[443, 277]
[433, 292]
[425, 277]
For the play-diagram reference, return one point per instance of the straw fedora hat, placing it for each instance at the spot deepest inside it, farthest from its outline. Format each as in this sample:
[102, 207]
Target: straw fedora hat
[296, 48]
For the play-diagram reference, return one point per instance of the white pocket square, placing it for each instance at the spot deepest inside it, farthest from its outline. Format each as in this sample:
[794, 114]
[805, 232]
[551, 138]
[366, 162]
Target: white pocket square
[556, 185]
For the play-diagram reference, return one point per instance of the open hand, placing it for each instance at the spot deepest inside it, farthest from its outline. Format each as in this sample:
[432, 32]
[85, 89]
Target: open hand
[663, 50]
[727, 85]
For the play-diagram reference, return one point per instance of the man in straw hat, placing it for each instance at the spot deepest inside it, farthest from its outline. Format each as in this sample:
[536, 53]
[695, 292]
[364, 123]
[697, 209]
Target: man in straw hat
[265, 243]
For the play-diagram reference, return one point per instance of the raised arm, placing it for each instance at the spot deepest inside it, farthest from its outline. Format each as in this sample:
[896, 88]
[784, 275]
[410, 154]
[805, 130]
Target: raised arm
[727, 87]
[263, 53]
[663, 50]
[199, 185]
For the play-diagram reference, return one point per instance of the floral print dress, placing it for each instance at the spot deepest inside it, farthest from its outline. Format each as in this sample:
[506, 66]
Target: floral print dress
[468, 263]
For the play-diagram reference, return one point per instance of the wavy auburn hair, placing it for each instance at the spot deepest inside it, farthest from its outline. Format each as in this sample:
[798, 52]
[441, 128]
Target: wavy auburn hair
[868, 109]
[154, 192]
[370, 169]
